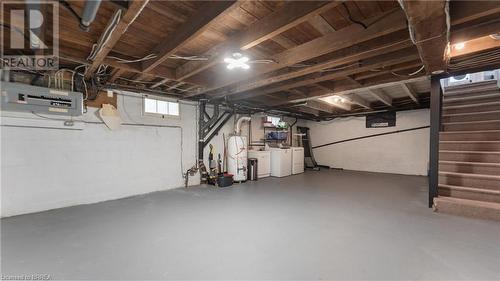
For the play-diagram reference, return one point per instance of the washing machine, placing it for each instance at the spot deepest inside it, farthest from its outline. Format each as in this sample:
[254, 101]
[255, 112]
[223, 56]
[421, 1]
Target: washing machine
[281, 162]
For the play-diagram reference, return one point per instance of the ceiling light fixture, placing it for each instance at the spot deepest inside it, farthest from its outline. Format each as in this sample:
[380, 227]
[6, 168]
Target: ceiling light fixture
[334, 99]
[459, 46]
[237, 61]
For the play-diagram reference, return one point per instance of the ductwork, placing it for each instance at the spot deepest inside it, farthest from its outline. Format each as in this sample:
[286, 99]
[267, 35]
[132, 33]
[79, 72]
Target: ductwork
[237, 129]
[89, 13]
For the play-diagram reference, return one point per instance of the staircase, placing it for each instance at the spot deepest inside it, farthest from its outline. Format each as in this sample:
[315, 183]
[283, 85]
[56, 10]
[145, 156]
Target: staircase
[469, 151]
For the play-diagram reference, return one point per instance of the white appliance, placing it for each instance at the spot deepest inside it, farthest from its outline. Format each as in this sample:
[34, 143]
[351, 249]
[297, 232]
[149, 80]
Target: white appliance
[263, 162]
[237, 157]
[297, 160]
[281, 162]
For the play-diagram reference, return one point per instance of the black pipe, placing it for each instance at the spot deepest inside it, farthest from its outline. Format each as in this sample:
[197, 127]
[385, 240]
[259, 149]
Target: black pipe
[436, 101]
[371, 136]
[217, 129]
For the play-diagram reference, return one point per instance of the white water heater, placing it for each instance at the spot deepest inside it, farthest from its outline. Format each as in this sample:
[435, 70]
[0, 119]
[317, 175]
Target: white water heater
[237, 151]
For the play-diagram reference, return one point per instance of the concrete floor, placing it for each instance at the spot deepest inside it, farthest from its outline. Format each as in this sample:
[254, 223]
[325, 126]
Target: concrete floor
[318, 225]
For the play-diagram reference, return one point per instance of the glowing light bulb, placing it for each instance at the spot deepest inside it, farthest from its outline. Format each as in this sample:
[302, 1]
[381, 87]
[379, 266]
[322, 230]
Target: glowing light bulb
[237, 61]
[459, 46]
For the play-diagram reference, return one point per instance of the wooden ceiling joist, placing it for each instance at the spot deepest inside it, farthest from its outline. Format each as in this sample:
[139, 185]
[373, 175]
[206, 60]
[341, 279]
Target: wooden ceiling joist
[288, 16]
[351, 98]
[371, 48]
[466, 11]
[308, 110]
[159, 83]
[410, 92]
[355, 99]
[428, 24]
[381, 96]
[381, 61]
[349, 85]
[328, 107]
[117, 72]
[134, 9]
[331, 42]
[195, 26]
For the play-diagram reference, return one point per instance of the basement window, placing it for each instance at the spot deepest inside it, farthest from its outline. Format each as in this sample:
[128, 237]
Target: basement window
[274, 120]
[160, 107]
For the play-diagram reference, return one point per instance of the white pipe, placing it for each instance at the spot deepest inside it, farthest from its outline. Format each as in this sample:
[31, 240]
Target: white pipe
[238, 124]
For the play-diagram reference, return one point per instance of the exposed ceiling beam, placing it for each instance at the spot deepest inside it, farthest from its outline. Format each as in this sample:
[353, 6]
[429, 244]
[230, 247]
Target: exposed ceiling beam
[308, 110]
[376, 93]
[375, 47]
[327, 106]
[349, 85]
[381, 61]
[427, 21]
[321, 24]
[464, 11]
[189, 30]
[410, 92]
[159, 83]
[351, 98]
[355, 99]
[128, 16]
[476, 45]
[291, 14]
[475, 31]
[117, 72]
[399, 69]
[331, 42]
[287, 17]
[381, 96]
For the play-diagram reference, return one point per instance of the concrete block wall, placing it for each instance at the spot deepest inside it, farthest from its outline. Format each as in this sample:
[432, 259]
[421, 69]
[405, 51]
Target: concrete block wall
[52, 167]
[402, 153]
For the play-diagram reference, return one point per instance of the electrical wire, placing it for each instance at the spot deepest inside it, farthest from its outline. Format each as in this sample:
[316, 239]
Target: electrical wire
[150, 83]
[350, 17]
[122, 60]
[68, 7]
[191, 58]
[339, 68]
[96, 48]
[410, 74]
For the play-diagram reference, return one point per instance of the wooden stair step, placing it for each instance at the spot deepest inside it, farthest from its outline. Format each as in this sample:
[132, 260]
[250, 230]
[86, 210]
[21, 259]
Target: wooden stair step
[470, 145]
[472, 99]
[470, 156]
[478, 107]
[471, 193]
[470, 135]
[469, 167]
[468, 208]
[472, 125]
[475, 92]
[467, 179]
[471, 87]
[472, 116]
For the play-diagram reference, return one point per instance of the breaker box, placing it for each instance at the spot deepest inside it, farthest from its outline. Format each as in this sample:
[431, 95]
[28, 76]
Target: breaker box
[28, 98]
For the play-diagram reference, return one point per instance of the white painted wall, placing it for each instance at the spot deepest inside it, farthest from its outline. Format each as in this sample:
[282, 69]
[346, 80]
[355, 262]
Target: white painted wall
[402, 153]
[45, 168]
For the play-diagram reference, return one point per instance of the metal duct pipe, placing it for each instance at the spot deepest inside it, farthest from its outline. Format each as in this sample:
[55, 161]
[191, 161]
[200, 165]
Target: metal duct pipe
[238, 124]
[89, 12]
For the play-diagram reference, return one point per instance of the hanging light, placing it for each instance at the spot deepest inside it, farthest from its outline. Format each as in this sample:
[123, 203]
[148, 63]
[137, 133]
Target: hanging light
[237, 61]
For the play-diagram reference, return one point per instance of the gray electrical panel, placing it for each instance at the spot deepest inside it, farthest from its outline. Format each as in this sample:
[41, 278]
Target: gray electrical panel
[23, 97]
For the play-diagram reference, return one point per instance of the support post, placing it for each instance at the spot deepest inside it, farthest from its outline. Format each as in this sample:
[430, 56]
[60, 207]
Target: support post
[435, 119]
